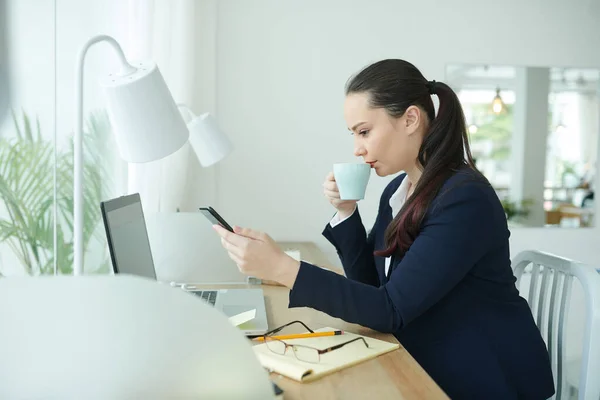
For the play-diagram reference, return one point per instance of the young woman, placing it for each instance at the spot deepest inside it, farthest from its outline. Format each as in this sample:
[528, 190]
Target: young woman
[435, 268]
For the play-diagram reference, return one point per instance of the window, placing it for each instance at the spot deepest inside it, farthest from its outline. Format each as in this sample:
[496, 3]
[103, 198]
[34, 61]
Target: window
[36, 152]
[490, 134]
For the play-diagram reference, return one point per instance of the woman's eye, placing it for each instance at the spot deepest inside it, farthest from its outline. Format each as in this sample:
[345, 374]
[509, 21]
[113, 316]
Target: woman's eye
[362, 133]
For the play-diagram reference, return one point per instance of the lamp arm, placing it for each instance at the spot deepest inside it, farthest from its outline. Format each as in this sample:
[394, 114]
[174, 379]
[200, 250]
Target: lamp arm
[186, 108]
[126, 69]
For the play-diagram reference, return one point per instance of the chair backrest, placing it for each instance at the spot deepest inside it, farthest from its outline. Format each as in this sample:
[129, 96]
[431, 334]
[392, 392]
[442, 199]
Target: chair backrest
[549, 295]
[119, 337]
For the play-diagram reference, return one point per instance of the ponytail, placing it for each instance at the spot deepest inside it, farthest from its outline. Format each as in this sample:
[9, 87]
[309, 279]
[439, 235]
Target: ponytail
[444, 150]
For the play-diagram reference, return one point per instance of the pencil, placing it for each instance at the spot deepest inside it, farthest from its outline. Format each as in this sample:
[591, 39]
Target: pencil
[301, 335]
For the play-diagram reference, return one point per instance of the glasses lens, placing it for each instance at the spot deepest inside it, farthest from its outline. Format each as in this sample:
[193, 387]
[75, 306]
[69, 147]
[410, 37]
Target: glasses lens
[306, 354]
[275, 345]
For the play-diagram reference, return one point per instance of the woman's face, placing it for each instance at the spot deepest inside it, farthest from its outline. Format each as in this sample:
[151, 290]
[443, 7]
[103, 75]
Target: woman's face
[388, 143]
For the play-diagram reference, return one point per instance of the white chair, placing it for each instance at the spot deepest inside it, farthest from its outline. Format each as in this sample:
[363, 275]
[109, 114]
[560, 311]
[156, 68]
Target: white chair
[119, 337]
[549, 297]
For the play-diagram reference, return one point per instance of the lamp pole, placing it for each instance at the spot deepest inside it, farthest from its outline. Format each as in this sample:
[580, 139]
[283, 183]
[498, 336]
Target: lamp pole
[126, 68]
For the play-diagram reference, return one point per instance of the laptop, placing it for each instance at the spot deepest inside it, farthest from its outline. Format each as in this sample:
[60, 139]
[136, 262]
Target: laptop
[130, 253]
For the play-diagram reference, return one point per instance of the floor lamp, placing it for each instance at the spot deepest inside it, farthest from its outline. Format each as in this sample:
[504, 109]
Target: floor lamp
[145, 119]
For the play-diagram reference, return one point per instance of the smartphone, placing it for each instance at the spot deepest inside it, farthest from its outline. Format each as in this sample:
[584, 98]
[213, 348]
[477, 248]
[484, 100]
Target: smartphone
[278, 391]
[215, 218]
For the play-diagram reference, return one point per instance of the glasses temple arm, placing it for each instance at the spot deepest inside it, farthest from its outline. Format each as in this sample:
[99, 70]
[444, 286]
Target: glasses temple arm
[337, 346]
[286, 325]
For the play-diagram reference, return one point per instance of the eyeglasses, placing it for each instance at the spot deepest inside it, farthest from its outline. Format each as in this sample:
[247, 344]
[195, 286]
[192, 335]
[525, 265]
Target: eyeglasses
[301, 352]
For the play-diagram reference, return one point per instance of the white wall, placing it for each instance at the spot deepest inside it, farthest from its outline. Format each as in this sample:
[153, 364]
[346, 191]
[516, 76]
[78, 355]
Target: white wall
[281, 70]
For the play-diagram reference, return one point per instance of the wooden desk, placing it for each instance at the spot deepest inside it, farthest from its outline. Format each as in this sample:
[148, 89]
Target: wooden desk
[309, 252]
[394, 375]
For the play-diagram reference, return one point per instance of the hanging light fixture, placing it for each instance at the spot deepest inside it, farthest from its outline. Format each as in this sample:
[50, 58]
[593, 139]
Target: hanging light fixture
[497, 103]
[560, 126]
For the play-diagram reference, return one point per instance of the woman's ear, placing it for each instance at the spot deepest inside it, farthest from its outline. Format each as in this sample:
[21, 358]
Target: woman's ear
[412, 119]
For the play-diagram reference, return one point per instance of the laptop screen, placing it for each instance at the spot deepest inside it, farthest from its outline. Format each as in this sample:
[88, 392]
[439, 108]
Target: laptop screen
[127, 236]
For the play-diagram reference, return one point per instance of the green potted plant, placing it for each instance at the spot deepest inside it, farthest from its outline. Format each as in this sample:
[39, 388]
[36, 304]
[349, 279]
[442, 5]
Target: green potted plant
[517, 209]
[27, 191]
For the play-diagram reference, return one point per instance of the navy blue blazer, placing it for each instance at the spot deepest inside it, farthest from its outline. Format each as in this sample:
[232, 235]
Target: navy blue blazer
[451, 300]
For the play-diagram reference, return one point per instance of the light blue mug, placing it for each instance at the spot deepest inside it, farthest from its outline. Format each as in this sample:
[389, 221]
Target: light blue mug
[352, 180]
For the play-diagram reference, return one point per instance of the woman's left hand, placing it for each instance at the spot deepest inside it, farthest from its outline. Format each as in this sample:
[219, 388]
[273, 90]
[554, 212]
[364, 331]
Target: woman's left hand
[256, 254]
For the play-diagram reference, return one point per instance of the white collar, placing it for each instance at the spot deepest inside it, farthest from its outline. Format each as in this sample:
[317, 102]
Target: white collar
[399, 197]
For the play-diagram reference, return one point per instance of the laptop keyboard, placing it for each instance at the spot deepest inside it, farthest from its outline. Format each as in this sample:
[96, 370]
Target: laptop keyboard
[209, 296]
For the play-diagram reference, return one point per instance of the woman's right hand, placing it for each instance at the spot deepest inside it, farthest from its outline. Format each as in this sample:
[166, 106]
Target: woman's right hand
[345, 207]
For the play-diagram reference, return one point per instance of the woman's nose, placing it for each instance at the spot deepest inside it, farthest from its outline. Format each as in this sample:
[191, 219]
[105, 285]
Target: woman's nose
[359, 151]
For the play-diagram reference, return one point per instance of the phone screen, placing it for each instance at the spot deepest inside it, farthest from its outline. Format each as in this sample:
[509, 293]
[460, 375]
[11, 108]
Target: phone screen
[215, 218]
[278, 391]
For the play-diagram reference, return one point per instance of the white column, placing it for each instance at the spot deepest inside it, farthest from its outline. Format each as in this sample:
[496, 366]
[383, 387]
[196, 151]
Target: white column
[529, 141]
[589, 118]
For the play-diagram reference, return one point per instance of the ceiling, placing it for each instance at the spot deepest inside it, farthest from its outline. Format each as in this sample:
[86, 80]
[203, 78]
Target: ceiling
[470, 76]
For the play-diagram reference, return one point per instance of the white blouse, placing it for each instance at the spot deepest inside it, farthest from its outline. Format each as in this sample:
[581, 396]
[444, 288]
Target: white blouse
[397, 200]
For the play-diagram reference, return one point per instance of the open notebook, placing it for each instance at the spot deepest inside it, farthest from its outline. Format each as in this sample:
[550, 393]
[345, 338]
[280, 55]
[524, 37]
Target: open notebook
[351, 354]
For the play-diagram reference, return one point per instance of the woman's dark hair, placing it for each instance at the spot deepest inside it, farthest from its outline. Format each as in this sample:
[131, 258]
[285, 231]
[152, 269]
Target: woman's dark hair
[396, 85]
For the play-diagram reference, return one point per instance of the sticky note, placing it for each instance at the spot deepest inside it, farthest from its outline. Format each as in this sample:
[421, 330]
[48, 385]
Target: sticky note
[241, 318]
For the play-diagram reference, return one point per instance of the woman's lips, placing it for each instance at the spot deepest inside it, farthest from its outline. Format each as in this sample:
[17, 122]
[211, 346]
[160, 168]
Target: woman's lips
[371, 163]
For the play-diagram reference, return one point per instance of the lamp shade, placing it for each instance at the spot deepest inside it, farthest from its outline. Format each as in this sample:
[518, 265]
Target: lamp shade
[146, 121]
[208, 142]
